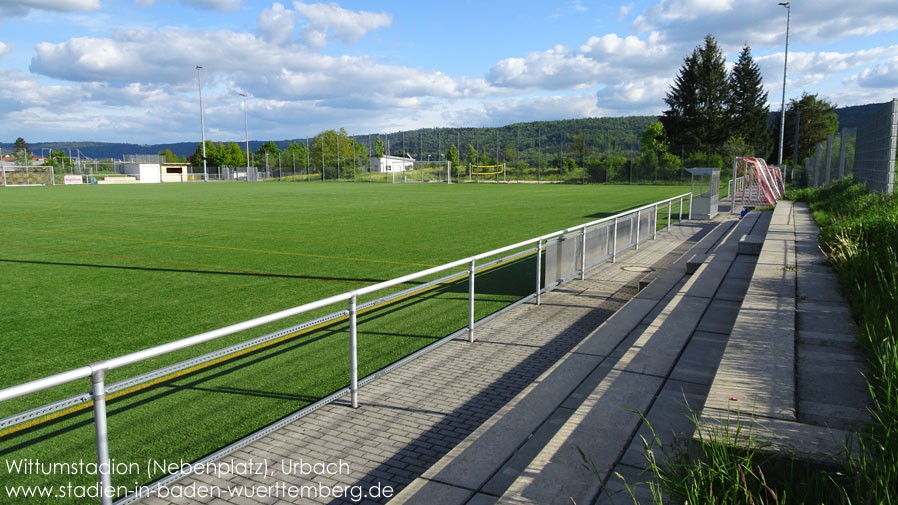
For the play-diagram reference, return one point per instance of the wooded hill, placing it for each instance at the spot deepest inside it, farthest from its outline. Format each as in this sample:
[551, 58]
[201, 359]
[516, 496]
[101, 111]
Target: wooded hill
[528, 141]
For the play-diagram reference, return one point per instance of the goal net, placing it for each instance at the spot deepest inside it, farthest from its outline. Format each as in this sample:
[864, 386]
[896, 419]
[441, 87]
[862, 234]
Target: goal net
[763, 185]
[25, 176]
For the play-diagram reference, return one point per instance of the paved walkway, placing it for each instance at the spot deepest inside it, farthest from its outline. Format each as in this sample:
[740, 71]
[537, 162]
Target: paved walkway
[414, 416]
[661, 348]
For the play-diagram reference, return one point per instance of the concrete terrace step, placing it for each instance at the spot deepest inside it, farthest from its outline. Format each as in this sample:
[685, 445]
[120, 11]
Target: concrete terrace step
[528, 451]
[795, 399]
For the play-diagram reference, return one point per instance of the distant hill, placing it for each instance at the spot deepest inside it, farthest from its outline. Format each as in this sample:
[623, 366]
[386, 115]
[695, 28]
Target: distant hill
[851, 117]
[610, 135]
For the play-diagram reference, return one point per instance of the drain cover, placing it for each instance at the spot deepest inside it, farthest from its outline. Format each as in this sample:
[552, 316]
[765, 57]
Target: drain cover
[637, 269]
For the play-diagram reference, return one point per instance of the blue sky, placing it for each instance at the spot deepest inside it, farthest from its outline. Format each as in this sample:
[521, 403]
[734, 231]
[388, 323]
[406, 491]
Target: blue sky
[124, 70]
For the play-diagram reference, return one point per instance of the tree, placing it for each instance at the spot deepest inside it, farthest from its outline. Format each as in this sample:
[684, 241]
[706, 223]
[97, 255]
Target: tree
[212, 155]
[336, 160]
[169, 156]
[747, 104]
[817, 119]
[452, 155]
[378, 147]
[295, 155]
[22, 146]
[232, 155]
[580, 147]
[471, 155]
[696, 117]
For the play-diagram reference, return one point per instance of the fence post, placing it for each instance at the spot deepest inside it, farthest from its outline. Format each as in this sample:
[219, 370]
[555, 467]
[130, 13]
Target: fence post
[98, 393]
[539, 268]
[353, 353]
[614, 243]
[690, 207]
[669, 210]
[583, 253]
[680, 220]
[638, 211]
[471, 302]
[654, 221]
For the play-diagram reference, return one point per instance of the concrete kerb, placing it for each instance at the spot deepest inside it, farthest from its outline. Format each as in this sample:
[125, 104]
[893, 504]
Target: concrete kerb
[754, 389]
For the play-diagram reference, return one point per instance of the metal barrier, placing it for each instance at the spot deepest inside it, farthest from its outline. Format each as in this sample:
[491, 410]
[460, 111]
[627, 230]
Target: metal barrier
[734, 186]
[97, 371]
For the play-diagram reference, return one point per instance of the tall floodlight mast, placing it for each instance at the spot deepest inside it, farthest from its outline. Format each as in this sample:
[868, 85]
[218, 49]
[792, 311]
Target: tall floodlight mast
[199, 84]
[785, 67]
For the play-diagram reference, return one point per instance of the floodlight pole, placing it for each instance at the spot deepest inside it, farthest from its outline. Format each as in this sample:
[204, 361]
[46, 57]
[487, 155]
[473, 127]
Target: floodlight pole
[246, 129]
[785, 67]
[199, 84]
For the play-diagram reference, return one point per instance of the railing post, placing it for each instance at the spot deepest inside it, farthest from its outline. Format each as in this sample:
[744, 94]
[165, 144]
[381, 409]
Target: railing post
[539, 268]
[654, 221]
[732, 197]
[583, 253]
[471, 302]
[353, 353]
[614, 243]
[680, 219]
[638, 211]
[98, 393]
[669, 210]
[690, 206]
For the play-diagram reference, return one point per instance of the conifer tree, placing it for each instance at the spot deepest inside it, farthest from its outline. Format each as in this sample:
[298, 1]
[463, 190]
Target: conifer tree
[696, 119]
[747, 104]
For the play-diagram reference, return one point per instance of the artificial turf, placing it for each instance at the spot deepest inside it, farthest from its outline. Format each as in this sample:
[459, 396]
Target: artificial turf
[94, 272]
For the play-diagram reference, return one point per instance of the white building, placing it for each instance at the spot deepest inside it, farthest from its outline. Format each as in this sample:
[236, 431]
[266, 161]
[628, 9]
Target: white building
[144, 172]
[390, 163]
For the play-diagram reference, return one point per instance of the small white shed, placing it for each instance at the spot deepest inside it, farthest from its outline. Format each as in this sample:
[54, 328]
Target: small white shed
[145, 172]
[391, 164]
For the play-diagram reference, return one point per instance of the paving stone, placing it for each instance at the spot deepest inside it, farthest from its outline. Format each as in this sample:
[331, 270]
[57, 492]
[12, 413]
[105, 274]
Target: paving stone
[719, 317]
[698, 363]
[557, 474]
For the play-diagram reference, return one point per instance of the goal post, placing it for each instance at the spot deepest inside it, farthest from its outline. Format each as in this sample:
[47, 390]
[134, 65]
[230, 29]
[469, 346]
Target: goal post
[428, 172]
[12, 175]
[486, 170]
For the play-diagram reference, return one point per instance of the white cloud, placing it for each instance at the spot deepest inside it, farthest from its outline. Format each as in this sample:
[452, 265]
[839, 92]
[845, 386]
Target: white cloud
[644, 97]
[330, 21]
[630, 51]
[764, 22]
[276, 24]
[5, 49]
[556, 68]
[13, 8]
[219, 5]
[624, 10]
[883, 76]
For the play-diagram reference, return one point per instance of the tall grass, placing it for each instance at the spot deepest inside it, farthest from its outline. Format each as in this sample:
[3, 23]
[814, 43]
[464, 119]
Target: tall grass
[859, 231]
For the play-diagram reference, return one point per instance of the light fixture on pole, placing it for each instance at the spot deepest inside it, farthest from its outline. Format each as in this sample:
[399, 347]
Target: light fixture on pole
[785, 67]
[199, 84]
[246, 129]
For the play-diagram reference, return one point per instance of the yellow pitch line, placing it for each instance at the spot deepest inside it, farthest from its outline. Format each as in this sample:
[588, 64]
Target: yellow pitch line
[180, 373]
[226, 248]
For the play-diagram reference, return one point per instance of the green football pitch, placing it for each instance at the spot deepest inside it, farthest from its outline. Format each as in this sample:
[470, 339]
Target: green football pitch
[94, 272]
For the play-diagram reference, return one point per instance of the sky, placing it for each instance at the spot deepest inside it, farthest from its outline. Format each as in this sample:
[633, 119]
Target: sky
[125, 70]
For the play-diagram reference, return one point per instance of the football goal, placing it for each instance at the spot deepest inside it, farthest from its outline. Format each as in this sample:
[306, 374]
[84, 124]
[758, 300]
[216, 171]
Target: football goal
[25, 176]
[486, 170]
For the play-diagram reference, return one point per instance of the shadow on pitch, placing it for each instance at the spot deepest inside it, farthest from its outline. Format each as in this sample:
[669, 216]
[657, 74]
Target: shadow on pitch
[238, 273]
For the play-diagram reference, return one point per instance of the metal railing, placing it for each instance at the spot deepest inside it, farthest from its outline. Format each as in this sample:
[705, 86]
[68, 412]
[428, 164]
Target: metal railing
[734, 186]
[97, 371]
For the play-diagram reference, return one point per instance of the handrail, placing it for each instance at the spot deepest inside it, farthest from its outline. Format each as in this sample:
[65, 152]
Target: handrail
[97, 371]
